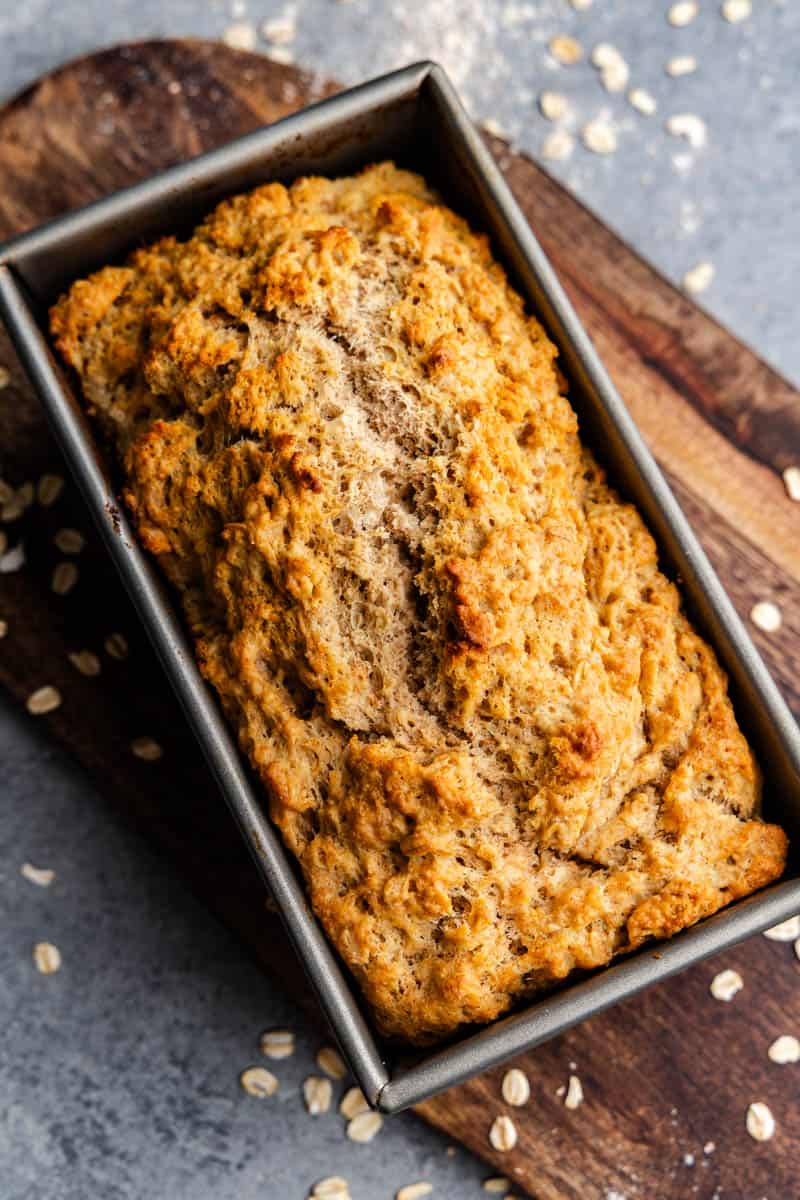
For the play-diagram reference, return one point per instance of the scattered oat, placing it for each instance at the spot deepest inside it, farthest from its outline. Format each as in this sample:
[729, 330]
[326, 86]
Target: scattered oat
[497, 1185]
[791, 481]
[240, 36]
[363, 1127]
[736, 10]
[574, 1096]
[116, 645]
[565, 49]
[65, 576]
[599, 137]
[414, 1191]
[331, 1188]
[683, 64]
[558, 145]
[330, 1061]
[709, 1147]
[725, 985]
[614, 71]
[698, 278]
[258, 1082]
[581, 5]
[494, 128]
[174, 87]
[13, 508]
[766, 616]
[515, 1088]
[5, 377]
[785, 1049]
[797, 949]
[553, 105]
[47, 958]
[279, 30]
[642, 101]
[281, 54]
[682, 13]
[353, 1103]
[146, 748]
[3, 628]
[43, 700]
[689, 126]
[85, 661]
[503, 1134]
[760, 1122]
[12, 560]
[49, 489]
[41, 876]
[3, 541]
[786, 931]
[317, 1094]
[277, 1043]
[69, 541]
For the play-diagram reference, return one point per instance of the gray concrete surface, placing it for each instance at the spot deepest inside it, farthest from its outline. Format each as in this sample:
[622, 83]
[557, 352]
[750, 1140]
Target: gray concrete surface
[118, 1075]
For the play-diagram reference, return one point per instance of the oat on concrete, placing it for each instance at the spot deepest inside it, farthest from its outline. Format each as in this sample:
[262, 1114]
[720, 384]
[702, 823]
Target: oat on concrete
[69, 541]
[43, 700]
[277, 1043]
[558, 145]
[146, 748]
[698, 278]
[240, 36]
[414, 1191]
[498, 1185]
[785, 1049]
[581, 5]
[682, 64]
[41, 876]
[333, 1187]
[258, 1082]
[791, 481]
[503, 1134]
[786, 931]
[85, 661]
[574, 1096]
[725, 985]
[331, 1062]
[760, 1122]
[49, 489]
[682, 13]
[614, 71]
[553, 105]
[279, 30]
[494, 128]
[642, 101]
[317, 1093]
[736, 10]
[688, 126]
[599, 136]
[281, 54]
[565, 49]
[515, 1087]
[352, 1103]
[364, 1127]
[766, 616]
[65, 576]
[47, 958]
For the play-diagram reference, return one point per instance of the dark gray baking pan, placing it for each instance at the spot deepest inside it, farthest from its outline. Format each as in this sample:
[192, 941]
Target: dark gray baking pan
[415, 117]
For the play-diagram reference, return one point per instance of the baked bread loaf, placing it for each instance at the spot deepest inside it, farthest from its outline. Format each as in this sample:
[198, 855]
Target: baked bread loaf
[486, 728]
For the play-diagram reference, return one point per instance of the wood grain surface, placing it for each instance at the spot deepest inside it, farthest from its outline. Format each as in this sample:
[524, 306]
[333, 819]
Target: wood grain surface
[665, 1074]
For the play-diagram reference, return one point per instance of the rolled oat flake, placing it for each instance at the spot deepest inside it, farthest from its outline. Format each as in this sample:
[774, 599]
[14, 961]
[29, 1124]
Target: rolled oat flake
[503, 1134]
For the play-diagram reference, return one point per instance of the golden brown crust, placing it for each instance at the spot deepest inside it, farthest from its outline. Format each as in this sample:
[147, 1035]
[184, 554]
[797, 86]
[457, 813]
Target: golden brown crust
[488, 732]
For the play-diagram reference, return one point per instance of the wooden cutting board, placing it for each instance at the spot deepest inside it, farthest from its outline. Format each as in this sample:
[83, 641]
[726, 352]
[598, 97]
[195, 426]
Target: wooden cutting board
[664, 1074]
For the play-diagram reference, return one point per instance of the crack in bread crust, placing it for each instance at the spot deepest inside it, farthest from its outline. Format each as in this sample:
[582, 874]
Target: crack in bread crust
[487, 730]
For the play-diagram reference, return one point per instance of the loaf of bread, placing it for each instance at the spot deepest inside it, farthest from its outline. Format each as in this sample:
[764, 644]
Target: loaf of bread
[487, 730]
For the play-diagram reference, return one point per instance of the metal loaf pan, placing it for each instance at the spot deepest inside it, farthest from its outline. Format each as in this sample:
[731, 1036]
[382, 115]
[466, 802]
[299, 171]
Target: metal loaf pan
[414, 116]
